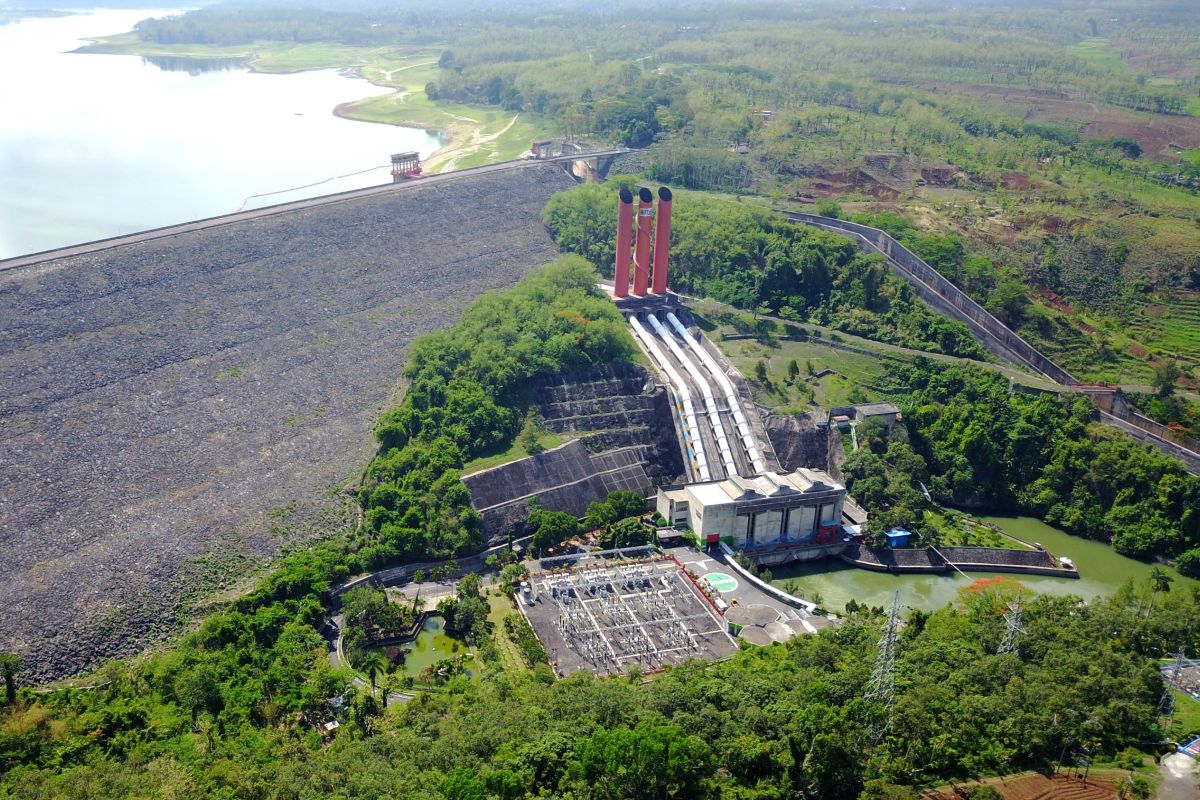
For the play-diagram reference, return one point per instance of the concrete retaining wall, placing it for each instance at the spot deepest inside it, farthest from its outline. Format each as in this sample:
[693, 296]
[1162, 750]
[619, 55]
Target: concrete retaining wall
[965, 559]
[788, 555]
[946, 298]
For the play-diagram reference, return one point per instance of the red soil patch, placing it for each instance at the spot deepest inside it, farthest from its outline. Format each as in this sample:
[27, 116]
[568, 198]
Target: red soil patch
[1137, 351]
[1036, 787]
[1015, 180]
[939, 176]
[834, 183]
[1054, 300]
[1158, 134]
[1154, 310]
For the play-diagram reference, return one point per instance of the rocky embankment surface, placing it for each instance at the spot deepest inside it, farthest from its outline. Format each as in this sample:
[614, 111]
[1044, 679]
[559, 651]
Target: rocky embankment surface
[176, 411]
[798, 441]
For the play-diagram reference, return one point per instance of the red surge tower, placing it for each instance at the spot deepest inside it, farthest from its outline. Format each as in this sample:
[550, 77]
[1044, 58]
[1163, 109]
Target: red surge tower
[641, 246]
[624, 240]
[662, 241]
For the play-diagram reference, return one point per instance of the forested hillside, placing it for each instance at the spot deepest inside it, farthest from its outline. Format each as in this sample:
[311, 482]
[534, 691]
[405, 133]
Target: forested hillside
[467, 393]
[975, 443]
[233, 711]
[751, 257]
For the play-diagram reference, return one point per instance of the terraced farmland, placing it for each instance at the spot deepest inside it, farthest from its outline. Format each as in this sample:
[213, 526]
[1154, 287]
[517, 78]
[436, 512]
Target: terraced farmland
[157, 400]
[1171, 327]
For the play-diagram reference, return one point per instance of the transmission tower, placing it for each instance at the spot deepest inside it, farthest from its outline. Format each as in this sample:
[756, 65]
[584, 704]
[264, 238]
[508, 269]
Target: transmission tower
[1012, 628]
[882, 686]
[1166, 703]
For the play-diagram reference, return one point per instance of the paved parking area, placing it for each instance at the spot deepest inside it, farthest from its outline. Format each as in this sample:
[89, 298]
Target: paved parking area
[742, 594]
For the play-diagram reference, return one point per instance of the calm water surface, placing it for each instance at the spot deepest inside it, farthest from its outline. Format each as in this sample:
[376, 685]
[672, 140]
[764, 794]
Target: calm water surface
[93, 146]
[432, 645]
[1101, 571]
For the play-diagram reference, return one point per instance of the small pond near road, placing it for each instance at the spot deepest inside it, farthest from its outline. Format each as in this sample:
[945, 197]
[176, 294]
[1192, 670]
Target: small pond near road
[432, 645]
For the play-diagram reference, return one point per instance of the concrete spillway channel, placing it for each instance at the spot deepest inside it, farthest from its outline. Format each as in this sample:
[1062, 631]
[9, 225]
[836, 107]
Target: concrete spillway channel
[701, 385]
[693, 441]
[757, 463]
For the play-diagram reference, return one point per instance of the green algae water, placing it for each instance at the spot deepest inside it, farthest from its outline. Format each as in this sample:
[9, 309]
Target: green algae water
[1101, 570]
[432, 645]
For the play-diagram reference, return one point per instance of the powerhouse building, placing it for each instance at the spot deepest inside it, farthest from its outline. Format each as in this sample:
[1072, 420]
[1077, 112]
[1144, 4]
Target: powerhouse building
[802, 507]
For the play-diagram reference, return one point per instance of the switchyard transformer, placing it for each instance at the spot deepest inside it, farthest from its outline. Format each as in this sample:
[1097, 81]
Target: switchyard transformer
[800, 508]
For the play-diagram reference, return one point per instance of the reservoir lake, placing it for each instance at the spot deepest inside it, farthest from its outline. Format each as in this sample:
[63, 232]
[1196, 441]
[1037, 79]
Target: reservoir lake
[93, 146]
[1101, 572]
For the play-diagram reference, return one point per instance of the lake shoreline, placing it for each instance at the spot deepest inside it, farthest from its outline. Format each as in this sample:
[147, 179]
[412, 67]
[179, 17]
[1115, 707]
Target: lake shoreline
[459, 137]
[170, 141]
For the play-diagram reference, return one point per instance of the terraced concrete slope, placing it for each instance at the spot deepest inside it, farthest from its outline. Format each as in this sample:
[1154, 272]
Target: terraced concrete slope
[625, 440]
[157, 400]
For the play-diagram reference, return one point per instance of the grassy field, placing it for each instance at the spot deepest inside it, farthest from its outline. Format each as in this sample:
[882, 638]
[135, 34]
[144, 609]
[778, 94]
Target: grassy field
[510, 657]
[470, 135]
[957, 529]
[276, 57]
[1096, 51]
[517, 450]
[831, 373]
[850, 370]
[1171, 326]
[1186, 720]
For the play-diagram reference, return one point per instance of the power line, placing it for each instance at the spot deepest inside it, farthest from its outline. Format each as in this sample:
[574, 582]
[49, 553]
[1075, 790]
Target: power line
[882, 686]
[1012, 628]
[1166, 703]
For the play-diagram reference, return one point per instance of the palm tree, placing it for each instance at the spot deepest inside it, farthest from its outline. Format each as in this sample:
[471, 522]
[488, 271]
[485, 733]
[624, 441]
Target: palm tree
[373, 664]
[1160, 581]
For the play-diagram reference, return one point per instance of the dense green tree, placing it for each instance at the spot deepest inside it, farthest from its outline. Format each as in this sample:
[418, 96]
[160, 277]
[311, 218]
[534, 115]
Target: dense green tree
[1166, 374]
[10, 664]
[551, 528]
[793, 371]
[973, 442]
[627, 503]
[599, 514]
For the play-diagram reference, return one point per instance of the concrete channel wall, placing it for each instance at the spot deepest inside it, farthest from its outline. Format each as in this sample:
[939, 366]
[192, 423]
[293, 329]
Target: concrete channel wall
[947, 299]
[965, 559]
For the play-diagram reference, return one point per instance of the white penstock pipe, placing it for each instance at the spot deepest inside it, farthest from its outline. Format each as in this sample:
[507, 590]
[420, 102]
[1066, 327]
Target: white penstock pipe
[739, 419]
[714, 414]
[691, 430]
